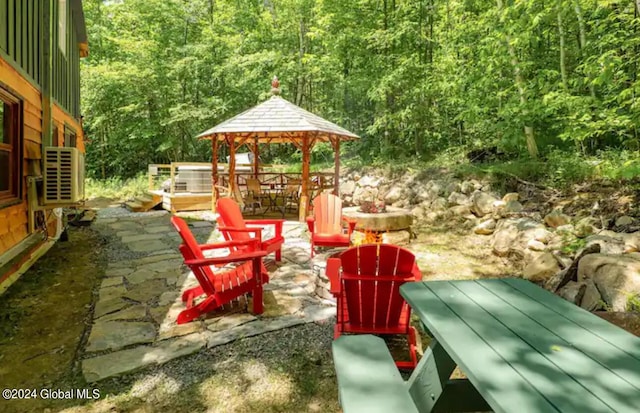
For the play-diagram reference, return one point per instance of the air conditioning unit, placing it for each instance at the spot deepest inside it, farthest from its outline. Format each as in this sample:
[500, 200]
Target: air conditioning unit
[63, 183]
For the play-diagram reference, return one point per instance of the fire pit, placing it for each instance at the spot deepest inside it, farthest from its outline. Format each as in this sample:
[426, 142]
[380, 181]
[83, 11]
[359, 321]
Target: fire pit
[393, 226]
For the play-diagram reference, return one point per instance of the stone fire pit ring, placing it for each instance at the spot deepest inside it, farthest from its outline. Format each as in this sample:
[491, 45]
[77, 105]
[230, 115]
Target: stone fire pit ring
[394, 219]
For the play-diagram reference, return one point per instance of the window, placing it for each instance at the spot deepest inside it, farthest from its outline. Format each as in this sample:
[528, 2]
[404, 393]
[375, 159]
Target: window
[54, 137]
[10, 144]
[62, 26]
[69, 137]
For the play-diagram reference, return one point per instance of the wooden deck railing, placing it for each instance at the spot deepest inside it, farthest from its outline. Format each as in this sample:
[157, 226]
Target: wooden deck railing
[195, 177]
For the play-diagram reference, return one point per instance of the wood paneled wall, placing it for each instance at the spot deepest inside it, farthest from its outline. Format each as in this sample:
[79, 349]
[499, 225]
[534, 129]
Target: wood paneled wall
[13, 219]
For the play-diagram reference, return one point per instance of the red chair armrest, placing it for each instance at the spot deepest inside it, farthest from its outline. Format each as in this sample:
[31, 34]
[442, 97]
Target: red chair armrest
[311, 223]
[333, 273]
[201, 262]
[416, 272]
[275, 222]
[227, 244]
[257, 231]
[264, 221]
[233, 229]
[351, 224]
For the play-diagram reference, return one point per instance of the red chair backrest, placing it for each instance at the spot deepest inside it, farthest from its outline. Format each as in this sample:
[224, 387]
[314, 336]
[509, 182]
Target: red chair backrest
[327, 211]
[371, 278]
[191, 250]
[230, 216]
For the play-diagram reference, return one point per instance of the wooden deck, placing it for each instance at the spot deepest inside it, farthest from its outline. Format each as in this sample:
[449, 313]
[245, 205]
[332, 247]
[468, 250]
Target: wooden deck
[186, 201]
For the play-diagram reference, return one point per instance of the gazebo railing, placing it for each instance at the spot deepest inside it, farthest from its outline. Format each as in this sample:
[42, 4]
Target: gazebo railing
[195, 177]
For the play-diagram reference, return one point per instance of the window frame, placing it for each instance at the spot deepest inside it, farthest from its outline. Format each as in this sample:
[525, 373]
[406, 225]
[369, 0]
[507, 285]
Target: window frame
[14, 193]
[70, 137]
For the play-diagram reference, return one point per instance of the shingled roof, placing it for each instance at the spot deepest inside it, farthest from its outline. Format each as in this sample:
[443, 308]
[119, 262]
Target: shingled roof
[278, 120]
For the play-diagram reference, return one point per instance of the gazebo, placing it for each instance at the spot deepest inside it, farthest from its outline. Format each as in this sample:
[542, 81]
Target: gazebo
[275, 121]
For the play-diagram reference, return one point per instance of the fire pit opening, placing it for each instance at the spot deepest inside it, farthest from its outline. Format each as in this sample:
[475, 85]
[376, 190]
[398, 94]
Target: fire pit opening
[385, 224]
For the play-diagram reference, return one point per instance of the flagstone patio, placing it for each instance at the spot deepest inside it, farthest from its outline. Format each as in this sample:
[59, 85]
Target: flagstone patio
[139, 298]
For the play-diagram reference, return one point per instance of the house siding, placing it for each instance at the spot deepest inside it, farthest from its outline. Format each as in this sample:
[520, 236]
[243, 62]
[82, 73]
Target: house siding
[21, 72]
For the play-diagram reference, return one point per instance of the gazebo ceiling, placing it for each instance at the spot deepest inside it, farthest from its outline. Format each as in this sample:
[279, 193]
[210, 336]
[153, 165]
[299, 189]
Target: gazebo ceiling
[277, 121]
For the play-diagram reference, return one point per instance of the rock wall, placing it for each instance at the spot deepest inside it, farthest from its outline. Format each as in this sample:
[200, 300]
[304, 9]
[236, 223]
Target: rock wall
[573, 256]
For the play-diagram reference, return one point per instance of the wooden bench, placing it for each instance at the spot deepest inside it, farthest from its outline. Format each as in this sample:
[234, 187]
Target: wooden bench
[368, 379]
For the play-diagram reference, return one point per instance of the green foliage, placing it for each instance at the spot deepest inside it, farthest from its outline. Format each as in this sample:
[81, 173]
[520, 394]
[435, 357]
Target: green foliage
[572, 244]
[415, 79]
[633, 303]
[116, 188]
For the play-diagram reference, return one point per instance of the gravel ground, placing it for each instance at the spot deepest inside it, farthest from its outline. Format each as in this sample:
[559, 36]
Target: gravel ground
[290, 370]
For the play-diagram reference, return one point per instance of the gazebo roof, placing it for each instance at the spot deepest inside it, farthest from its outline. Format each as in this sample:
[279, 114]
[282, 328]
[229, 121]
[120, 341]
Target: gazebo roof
[277, 120]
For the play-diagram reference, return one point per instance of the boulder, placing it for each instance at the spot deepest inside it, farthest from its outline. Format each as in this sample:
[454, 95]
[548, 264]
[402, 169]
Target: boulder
[436, 188]
[362, 194]
[624, 221]
[631, 242]
[467, 187]
[460, 210]
[536, 245]
[482, 203]
[542, 268]
[393, 195]
[591, 299]
[438, 204]
[615, 276]
[433, 217]
[542, 234]
[513, 234]
[419, 212]
[584, 227]
[608, 245]
[566, 229]
[556, 218]
[573, 292]
[370, 181]
[452, 187]
[530, 256]
[513, 207]
[511, 196]
[486, 227]
[504, 239]
[347, 188]
[456, 198]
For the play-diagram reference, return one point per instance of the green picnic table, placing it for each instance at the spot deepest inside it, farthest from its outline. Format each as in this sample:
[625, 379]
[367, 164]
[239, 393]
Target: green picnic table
[523, 349]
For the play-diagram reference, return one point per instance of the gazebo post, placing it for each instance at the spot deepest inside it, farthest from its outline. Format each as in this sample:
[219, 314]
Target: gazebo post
[256, 154]
[232, 164]
[306, 160]
[335, 142]
[214, 173]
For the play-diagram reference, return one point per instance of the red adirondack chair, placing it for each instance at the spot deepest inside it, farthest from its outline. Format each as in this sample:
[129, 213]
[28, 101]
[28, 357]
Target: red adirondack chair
[326, 224]
[365, 281]
[224, 285]
[234, 227]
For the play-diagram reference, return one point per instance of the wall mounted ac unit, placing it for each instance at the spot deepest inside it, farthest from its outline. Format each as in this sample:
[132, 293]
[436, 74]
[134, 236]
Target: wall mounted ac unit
[63, 183]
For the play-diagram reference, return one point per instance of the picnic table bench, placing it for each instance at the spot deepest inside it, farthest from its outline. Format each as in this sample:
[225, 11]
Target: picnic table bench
[522, 349]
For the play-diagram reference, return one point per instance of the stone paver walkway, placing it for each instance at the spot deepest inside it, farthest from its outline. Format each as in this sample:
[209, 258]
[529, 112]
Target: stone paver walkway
[139, 298]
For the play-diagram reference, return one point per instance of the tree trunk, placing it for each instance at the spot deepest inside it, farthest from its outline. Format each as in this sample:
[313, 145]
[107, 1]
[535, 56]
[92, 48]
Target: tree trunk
[563, 67]
[532, 146]
[583, 40]
[301, 51]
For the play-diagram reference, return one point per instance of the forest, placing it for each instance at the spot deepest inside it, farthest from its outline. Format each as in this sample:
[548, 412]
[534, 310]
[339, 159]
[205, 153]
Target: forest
[543, 81]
